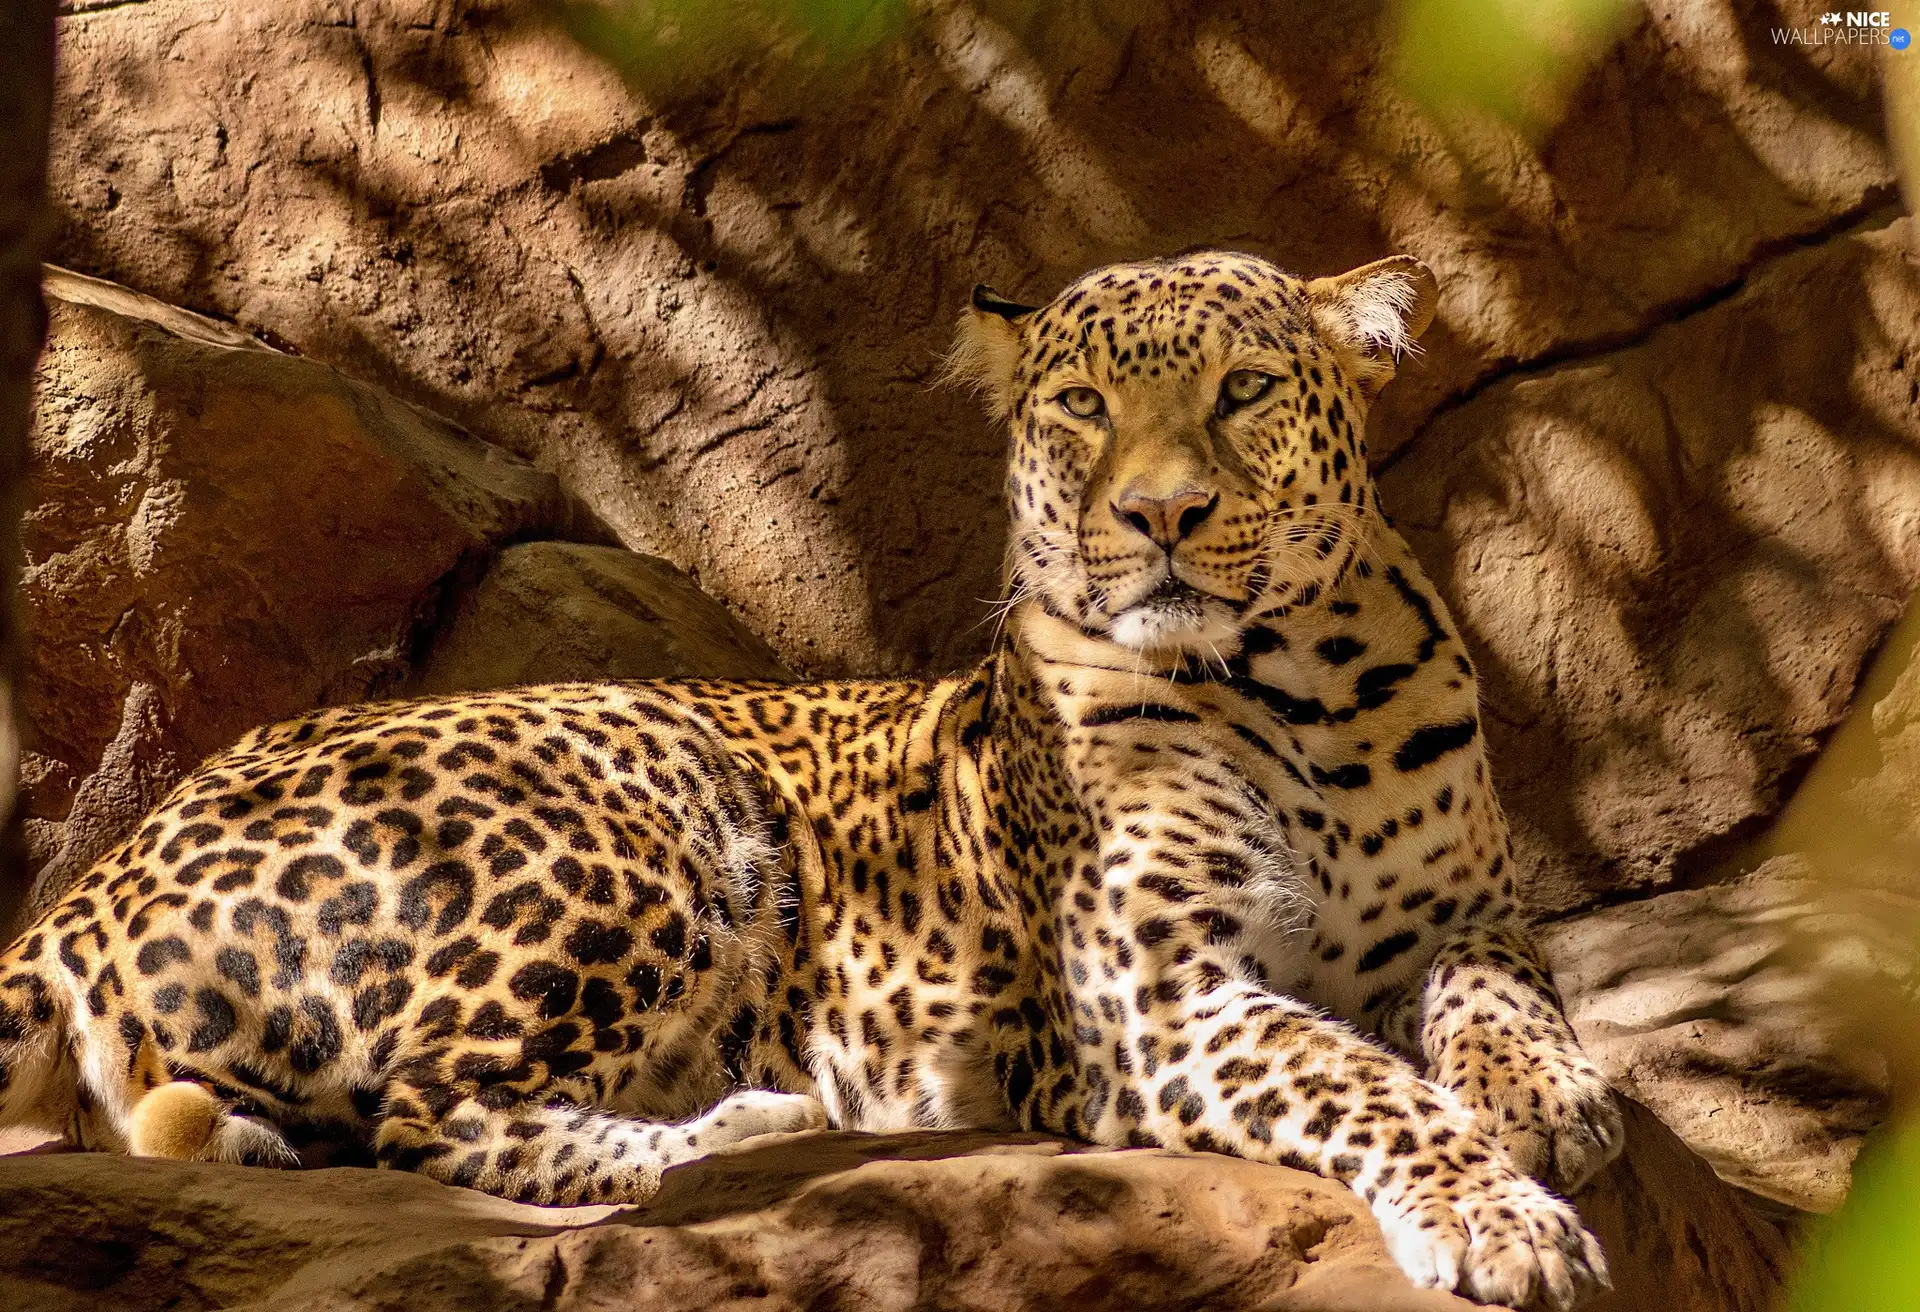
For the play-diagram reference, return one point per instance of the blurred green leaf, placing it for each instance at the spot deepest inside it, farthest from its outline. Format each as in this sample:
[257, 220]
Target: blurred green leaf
[1516, 60]
[662, 43]
[1866, 1256]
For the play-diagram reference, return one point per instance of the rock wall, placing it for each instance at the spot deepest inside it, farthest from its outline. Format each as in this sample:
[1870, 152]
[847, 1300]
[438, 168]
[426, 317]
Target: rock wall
[1659, 448]
[1770, 1016]
[1674, 559]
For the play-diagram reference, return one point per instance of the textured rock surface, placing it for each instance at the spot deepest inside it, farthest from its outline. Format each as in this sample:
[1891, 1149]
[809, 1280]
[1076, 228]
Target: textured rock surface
[1856, 818]
[218, 536]
[1679, 1239]
[1673, 560]
[546, 612]
[953, 1221]
[1716, 1008]
[805, 1224]
[1770, 1019]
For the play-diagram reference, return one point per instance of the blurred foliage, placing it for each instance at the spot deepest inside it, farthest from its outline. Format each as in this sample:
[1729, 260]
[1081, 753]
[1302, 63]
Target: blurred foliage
[667, 44]
[1514, 60]
[1855, 821]
[1902, 76]
[1866, 1256]
[671, 46]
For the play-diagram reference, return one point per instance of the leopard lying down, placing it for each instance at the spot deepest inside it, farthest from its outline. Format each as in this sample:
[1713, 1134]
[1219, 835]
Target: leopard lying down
[1203, 856]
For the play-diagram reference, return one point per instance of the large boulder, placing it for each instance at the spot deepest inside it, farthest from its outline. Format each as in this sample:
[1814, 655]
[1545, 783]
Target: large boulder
[1770, 1017]
[817, 1222]
[219, 535]
[820, 1222]
[1716, 1008]
[1671, 560]
[26, 105]
[549, 612]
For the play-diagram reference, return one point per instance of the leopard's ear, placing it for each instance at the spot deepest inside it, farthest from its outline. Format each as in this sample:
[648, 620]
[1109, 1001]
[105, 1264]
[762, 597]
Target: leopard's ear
[1373, 314]
[986, 350]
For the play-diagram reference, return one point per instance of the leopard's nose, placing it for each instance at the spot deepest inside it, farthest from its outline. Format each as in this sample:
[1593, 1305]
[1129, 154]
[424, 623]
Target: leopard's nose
[1167, 520]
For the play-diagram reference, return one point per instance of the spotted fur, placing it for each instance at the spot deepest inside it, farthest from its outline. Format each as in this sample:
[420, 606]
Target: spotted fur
[1203, 856]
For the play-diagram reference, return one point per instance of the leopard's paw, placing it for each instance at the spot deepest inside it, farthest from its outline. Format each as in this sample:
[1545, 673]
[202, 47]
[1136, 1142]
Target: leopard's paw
[1556, 1117]
[185, 1121]
[1494, 1235]
[1587, 1130]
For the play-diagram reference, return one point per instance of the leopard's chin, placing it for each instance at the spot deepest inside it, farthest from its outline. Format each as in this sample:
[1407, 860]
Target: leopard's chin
[1177, 618]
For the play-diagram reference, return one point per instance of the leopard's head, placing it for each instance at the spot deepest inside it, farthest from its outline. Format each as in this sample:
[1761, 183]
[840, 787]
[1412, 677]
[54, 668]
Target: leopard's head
[1188, 451]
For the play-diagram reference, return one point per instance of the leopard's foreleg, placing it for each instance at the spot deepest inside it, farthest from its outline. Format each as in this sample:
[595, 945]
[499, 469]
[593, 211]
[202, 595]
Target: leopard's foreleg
[1240, 1070]
[1491, 1027]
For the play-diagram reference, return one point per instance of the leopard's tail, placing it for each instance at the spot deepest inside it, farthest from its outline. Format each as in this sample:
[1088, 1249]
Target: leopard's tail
[39, 1077]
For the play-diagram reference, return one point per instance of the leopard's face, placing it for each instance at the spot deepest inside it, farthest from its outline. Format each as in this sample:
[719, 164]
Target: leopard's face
[1188, 450]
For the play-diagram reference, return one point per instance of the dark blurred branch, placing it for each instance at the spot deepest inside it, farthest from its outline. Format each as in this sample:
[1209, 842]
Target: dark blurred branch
[26, 96]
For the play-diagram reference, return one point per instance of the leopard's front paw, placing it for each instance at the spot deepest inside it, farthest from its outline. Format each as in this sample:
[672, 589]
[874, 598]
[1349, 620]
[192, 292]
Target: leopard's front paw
[1556, 1117]
[1586, 1128]
[1482, 1229]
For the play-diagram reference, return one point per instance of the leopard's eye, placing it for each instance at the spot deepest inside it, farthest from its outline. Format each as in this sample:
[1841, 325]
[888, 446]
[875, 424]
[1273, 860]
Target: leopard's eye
[1243, 387]
[1082, 402]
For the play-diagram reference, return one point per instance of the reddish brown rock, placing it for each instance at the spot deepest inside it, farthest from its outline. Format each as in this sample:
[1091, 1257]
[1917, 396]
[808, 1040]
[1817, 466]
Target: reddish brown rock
[547, 612]
[824, 1222]
[838, 1221]
[26, 105]
[219, 536]
[1678, 1239]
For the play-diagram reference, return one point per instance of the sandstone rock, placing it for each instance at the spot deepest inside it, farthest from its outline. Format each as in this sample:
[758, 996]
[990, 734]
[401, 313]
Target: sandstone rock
[835, 1221]
[1770, 1018]
[1718, 1008]
[715, 313]
[1672, 560]
[1679, 1239]
[218, 536]
[1856, 818]
[547, 612]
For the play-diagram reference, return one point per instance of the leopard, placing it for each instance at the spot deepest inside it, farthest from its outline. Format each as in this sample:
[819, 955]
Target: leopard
[1203, 856]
